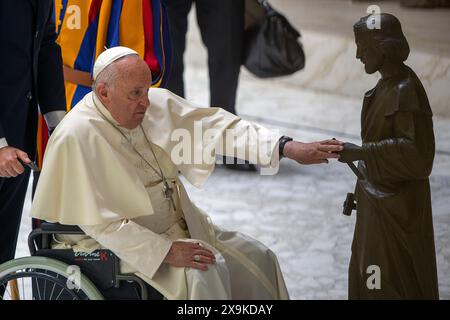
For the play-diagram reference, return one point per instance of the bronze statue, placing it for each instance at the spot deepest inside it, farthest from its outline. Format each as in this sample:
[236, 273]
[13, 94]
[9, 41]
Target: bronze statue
[394, 228]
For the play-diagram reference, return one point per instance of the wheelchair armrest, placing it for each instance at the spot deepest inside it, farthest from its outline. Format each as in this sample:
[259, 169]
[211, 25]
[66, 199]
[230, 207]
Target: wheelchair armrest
[49, 227]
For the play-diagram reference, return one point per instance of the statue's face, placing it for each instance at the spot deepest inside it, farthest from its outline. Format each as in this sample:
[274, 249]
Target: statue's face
[369, 54]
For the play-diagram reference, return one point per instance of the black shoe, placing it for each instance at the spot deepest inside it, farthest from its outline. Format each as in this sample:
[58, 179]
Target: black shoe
[236, 164]
[425, 3]
[241, 167]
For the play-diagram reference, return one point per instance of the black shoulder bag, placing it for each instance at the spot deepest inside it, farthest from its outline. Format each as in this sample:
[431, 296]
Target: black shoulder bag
[272, 46]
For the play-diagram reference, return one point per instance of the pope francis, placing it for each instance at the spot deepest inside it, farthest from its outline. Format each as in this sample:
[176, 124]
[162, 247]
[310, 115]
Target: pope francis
[114, 165]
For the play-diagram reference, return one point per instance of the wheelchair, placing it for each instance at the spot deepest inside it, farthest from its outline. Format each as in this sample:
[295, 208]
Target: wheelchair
[62, 274]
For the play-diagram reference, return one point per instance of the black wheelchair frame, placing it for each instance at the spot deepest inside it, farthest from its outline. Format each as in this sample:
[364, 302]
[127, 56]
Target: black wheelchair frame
[102, 266]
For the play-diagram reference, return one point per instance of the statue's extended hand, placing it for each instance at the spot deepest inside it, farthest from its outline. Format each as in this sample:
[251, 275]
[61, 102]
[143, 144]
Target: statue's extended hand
[189, 254]
[312, 152]
[351, 152]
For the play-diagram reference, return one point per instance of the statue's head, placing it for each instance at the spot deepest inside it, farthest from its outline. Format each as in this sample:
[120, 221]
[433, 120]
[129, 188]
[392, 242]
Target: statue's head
[375, 45]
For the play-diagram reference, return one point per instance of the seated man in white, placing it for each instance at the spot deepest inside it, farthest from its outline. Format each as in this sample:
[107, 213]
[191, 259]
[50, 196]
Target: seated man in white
[113, 166]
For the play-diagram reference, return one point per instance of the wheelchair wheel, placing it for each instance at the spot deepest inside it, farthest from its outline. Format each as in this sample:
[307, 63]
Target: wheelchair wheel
[41, 278]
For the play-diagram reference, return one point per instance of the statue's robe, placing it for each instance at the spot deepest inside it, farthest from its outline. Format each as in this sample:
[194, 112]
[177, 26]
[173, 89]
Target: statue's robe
[393, 252]
[103, 185]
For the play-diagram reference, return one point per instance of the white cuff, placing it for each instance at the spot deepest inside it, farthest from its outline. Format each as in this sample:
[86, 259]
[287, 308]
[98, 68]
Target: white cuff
[3, 143]
[53, 118]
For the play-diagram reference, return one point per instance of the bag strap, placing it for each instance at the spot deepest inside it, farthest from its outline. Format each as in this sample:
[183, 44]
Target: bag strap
[272, 12]
[267, 7]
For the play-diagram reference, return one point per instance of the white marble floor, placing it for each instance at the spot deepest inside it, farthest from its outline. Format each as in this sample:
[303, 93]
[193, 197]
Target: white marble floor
[298, 212]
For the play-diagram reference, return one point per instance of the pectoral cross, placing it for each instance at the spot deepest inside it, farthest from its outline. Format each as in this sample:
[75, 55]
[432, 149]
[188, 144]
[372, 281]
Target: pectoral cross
[168, 194]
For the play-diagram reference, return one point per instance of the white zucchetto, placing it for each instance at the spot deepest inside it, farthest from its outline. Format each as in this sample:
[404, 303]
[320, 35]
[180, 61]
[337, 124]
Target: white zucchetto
[109, 56]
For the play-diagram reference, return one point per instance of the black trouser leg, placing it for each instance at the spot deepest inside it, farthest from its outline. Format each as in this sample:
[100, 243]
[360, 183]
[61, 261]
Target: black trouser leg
[12, 196]
[222, 26]
[177, 12]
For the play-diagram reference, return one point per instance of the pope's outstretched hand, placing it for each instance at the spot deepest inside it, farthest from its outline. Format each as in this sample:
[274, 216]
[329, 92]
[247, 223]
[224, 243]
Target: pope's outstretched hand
[312, 152]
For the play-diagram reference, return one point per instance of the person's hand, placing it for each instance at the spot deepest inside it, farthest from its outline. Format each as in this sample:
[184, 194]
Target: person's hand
[350, 153]
[9, 163]
[189, 254]
[313, 152]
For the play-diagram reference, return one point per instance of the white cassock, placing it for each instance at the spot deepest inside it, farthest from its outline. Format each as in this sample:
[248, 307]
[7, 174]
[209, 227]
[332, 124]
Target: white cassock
[97, 175]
